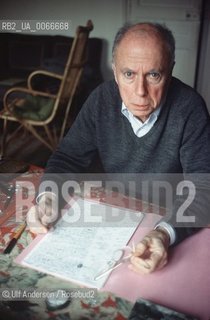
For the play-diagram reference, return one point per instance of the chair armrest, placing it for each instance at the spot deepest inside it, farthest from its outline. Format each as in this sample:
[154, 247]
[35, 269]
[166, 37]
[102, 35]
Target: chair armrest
[42, 73]
[7, 105]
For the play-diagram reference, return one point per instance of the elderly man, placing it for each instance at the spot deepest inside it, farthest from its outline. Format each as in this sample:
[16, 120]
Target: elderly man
[144, 121]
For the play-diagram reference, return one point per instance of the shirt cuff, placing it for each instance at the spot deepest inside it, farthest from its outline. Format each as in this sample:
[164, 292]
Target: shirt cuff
[169, 229]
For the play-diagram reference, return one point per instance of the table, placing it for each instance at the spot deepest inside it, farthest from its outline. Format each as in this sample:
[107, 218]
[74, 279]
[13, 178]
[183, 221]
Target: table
[105, 305]
[183, 285]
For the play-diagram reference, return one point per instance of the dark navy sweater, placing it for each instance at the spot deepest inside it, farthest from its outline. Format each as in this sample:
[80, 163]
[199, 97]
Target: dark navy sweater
[179, 141]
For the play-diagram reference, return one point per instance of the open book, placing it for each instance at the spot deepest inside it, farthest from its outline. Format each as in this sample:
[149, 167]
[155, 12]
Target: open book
[82, 242]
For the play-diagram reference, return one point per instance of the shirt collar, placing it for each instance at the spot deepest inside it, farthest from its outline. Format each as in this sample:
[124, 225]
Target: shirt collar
[141, 128]
[154, 114]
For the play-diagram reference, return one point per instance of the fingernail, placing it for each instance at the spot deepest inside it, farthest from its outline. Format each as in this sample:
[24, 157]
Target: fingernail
[40, 230]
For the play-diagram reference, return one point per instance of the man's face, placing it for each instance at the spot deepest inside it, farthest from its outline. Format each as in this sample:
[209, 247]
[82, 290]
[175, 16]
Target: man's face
[142, 72]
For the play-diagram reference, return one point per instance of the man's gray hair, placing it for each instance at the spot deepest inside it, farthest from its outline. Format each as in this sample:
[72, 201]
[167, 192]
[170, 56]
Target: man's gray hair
[160, 29]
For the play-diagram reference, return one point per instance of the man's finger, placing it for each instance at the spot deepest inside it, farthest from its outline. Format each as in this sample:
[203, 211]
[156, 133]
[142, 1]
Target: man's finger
[33, 221]
[140, 248]
[139, 266]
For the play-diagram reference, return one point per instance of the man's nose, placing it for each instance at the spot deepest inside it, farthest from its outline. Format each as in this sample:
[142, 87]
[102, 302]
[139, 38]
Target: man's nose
[141, 86]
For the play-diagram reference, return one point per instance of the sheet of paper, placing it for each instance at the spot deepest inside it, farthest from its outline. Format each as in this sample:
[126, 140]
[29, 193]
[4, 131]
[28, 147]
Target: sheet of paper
[78, 253]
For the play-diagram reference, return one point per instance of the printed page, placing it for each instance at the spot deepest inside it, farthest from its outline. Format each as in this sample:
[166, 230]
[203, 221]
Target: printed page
[79, 252]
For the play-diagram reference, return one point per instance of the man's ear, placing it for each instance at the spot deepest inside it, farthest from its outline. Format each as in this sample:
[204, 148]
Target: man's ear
[114, 71]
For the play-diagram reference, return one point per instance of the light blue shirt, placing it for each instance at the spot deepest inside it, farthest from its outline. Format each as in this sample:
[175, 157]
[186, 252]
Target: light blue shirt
[140, 128]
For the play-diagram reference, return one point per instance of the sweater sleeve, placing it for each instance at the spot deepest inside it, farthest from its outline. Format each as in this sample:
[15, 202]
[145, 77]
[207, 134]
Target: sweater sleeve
[73, 156]
[192, 204]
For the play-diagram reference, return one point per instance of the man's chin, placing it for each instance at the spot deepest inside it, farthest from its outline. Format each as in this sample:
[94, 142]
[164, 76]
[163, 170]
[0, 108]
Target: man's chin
[143, 116]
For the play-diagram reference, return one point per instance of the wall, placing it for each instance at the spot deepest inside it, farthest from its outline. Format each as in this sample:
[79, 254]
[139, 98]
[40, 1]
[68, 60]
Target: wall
[107, 17]
[183, 19]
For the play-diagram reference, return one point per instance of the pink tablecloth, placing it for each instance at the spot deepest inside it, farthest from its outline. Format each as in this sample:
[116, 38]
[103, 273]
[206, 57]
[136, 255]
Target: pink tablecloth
[183, 285]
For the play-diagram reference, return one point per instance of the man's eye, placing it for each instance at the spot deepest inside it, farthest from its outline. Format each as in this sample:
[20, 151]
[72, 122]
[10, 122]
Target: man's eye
[128, 74]
[154, 77]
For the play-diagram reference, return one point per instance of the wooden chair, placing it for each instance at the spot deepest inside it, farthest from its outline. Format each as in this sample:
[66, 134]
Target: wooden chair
[35, 110]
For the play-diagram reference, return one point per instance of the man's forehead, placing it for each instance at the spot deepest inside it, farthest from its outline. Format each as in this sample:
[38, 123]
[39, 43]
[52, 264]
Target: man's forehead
[147, 59]
[138, 39]
[132, 43]
[142, 35]
[144, 30]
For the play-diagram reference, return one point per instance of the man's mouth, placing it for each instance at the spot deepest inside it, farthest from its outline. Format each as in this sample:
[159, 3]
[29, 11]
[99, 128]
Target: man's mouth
[141, 106]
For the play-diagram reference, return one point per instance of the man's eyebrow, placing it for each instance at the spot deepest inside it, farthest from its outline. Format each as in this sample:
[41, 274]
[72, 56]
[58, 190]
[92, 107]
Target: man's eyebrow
[127, 69]
[154, 71]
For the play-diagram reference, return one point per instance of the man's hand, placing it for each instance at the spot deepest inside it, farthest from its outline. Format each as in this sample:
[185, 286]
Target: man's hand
[41, 216]
[151, 253]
